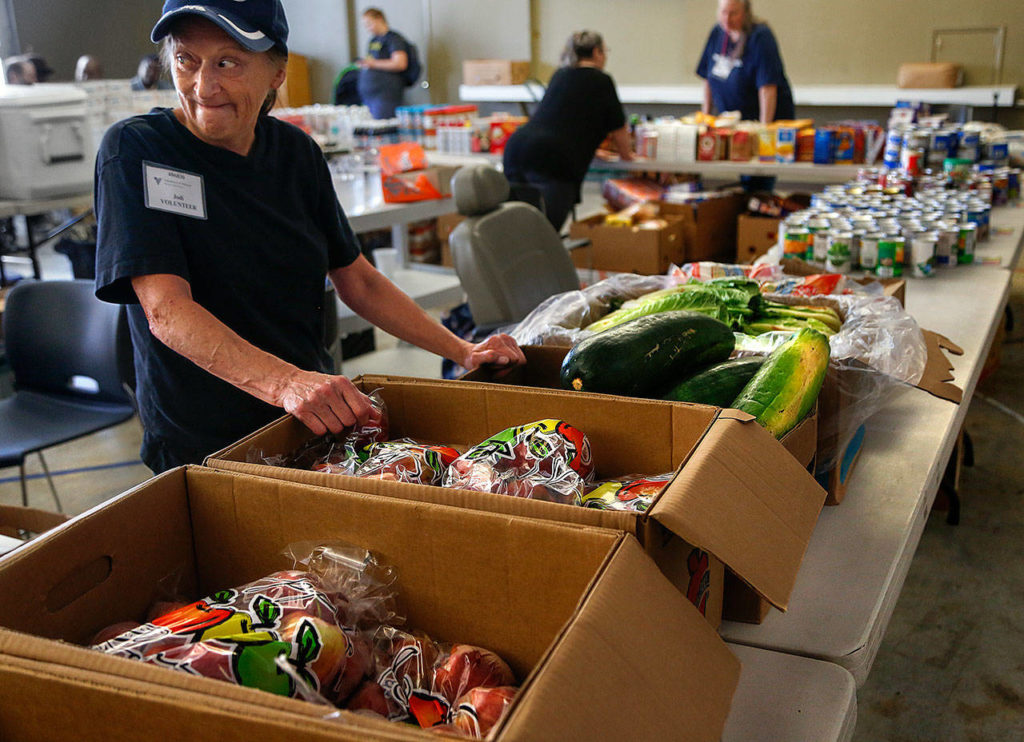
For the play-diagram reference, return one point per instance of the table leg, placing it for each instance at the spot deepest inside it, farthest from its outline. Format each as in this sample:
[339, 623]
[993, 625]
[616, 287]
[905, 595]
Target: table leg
[400, 241]
[32, 250]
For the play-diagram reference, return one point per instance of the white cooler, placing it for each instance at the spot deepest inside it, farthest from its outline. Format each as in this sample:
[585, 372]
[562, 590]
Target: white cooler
[46, 148]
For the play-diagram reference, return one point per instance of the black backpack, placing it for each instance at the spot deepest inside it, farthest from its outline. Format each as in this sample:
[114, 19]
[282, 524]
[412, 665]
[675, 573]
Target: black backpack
[413, 68]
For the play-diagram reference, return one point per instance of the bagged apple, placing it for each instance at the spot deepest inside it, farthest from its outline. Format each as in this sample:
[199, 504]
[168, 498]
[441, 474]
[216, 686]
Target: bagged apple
[405, 460]
[294, 632]
[480, 709]
[633, 493]
[543, 460]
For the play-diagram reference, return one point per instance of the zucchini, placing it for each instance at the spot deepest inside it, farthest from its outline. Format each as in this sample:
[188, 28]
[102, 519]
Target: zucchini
[719, 384]
[660, 301]
[647, 355]
[784, 389]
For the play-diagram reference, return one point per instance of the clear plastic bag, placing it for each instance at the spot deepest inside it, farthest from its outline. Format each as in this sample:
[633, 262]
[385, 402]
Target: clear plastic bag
[878, 354]
[633, 493]
[308, 618]
[559, 319]
[405, 460]
[543, 460]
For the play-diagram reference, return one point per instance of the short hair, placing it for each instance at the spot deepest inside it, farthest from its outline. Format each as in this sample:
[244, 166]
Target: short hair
[376, 13]
[580, 46]
[276, 54]
[16, 70]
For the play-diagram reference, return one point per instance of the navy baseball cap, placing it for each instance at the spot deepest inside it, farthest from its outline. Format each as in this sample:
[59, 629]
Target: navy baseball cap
[257, 25]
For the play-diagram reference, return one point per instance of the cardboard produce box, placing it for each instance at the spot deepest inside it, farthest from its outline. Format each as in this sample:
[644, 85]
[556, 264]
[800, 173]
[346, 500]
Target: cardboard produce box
[709, 227]
[628, 249]
[755, 235]
[736, 498]
[562, 603]
[18, 525]
[495, 72]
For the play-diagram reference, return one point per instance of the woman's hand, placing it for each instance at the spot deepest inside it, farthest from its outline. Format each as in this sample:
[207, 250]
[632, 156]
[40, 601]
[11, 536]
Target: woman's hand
[498, 350]
[325, 403]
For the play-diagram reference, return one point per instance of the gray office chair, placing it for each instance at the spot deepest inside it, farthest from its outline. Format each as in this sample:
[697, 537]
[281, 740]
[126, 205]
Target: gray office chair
[507, 255]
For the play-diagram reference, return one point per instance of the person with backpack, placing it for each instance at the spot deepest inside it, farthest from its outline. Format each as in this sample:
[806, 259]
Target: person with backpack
[391, 65]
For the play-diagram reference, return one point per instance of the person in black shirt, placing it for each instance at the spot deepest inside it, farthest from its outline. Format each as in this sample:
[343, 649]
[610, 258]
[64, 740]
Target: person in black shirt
[380, 81]
[580, 107]
[216, 227]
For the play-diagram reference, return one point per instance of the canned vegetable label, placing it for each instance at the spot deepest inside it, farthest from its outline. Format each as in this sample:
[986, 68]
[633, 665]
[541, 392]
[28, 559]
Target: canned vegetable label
[795, 242]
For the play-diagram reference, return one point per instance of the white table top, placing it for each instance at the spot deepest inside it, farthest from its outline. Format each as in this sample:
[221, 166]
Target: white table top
[844, 96]
[861, 550]
[784, 697]
[1004, 246]
[383, 216]
[42, 205]
[801, 172]
[429, 288]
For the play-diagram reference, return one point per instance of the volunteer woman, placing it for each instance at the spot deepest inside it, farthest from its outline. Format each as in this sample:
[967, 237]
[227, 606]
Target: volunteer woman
[217, 224]
[553, 150]
[742, 67]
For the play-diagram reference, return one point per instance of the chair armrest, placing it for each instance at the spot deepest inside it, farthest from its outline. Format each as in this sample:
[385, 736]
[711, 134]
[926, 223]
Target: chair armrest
[575, 244]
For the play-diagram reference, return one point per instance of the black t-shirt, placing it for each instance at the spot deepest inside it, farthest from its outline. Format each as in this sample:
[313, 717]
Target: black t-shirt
[382, 47]
[578, 110]
[254, 236]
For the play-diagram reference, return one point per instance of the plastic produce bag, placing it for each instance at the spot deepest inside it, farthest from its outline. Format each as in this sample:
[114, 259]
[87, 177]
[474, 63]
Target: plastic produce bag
[340, 453]
[420, 680]
[559, 319]
[294, 632]
[633, 493]
[878, 354]
[543, 460]
[405, 460]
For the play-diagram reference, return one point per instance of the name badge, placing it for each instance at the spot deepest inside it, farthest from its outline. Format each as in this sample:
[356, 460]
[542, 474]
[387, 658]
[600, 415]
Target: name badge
[174, 191]
[724, 66]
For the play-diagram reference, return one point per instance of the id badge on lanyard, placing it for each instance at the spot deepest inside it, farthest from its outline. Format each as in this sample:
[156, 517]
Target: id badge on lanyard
[723, 66]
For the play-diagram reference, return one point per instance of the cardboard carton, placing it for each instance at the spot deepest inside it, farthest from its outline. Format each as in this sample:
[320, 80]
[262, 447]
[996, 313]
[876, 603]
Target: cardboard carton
[19, 524]
[495, 72]
[562, 603]
[755, 235]
[628, 249]
[736, 496]
[709, 227]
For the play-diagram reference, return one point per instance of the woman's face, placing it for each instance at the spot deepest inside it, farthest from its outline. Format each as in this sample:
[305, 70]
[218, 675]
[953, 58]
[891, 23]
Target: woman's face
[731, 15]
[221, 85]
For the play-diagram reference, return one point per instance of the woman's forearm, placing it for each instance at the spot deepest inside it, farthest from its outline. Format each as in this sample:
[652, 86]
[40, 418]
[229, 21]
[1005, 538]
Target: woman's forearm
[768, 97]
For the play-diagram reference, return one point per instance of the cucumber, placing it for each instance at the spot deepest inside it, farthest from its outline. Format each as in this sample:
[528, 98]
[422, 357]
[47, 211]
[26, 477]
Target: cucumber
[647, 355]
[783, 391]
[718, 384]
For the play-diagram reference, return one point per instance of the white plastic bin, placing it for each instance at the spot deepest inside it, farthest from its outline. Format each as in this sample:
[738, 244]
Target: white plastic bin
[46, 148]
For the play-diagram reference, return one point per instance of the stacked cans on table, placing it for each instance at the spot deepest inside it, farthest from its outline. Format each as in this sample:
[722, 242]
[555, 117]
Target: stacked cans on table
[881, 230]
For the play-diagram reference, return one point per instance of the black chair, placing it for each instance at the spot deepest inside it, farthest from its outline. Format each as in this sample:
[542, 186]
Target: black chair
[62, 346]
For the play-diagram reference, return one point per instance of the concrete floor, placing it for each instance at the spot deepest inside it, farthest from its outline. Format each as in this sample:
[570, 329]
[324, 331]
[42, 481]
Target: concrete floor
[951, 666]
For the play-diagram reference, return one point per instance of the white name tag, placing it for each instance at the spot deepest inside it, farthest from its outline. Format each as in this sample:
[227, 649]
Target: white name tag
[724, 66]
[174, 191]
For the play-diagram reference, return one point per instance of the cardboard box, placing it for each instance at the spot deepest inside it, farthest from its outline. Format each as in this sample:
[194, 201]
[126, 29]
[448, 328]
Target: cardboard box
[561, 603]
[446, 224]
[709, 227]
[929, 75]
[755, 235]
[495, 72]
[735, 496]
[419, 185]
[628, 249]
[19, 524]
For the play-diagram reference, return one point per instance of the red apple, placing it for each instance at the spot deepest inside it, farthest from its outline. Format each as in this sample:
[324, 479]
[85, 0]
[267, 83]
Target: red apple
[477, 711]
[211, 659]
[114, 630]
[163, 607]
[359, 665]
[369, 697]
[469, 667]
[329, 662]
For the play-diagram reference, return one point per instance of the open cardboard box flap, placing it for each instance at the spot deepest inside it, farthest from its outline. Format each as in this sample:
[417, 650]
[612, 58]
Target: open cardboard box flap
[14, 518]
[562, 603]
[739, 495]
[748, 502]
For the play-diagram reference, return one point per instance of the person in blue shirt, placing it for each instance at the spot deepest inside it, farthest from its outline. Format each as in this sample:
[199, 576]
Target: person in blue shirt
[217, 225]
[380, 81]
[742, 67]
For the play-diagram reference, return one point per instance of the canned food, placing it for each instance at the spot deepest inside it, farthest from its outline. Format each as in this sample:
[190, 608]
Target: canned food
[893, 148]
[818, 243]
[887, 264]
[795, 242]
[946, 249]
[922, 253]
[979, 214]
[869, 251]
[968, 241]
[838, 260]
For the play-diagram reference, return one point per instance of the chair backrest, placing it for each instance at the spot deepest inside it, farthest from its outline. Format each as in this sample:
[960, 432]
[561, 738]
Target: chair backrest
[507, 255]
[61, 339]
